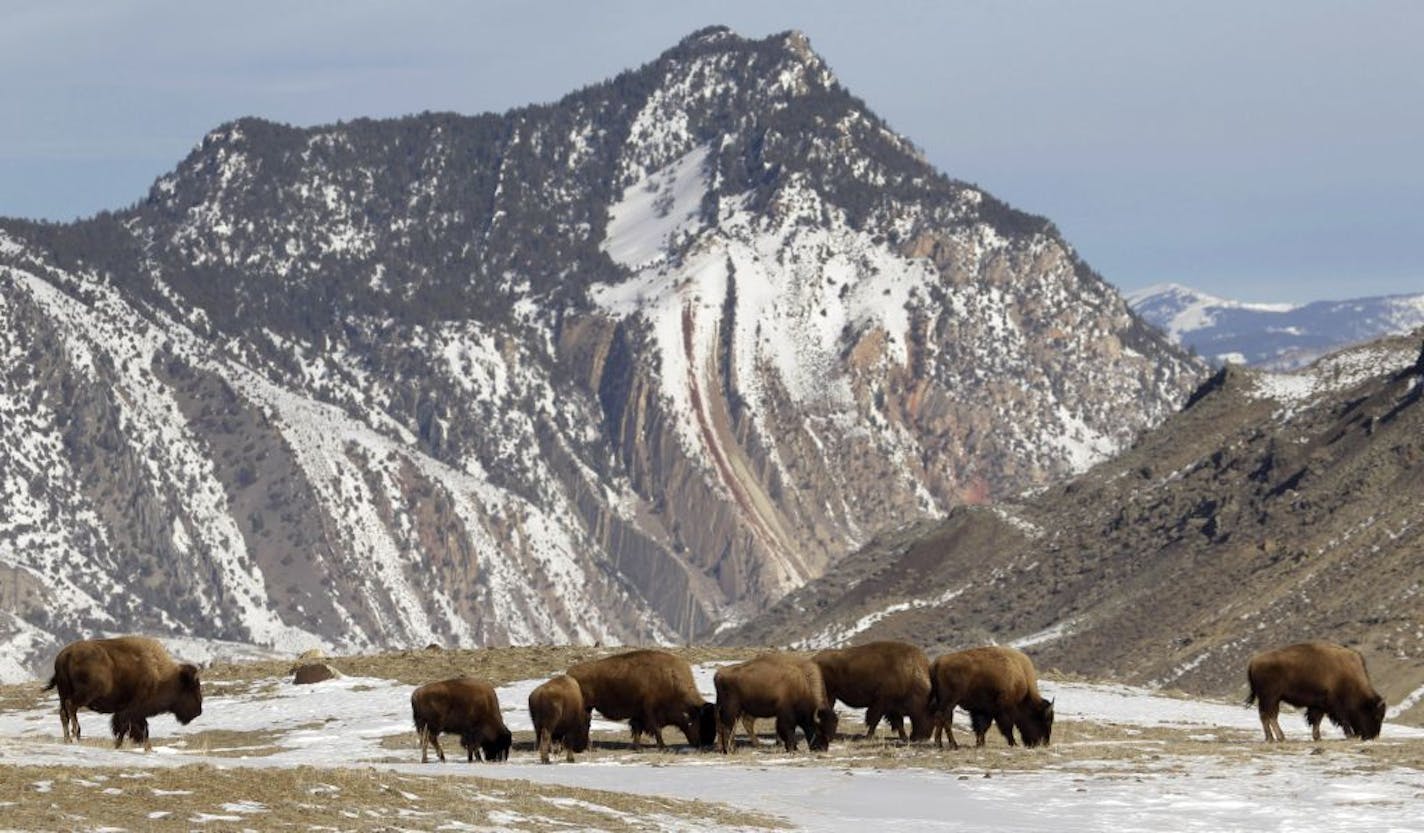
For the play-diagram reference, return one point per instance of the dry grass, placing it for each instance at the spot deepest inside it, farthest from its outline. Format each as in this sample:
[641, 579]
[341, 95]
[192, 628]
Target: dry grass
[308, 799]
[413, 667]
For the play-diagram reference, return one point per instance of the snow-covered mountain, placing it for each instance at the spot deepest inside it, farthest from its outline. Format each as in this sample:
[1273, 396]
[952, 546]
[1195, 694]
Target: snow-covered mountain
[624, 367]
[1272, 336]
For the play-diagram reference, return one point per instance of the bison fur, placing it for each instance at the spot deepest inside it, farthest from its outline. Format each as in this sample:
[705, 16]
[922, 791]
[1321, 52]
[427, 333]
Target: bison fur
[559, 717]
[781, 686]
[650, 689]
[887, 679]
[997, 686]
[132, 678]
[1325, 679]
[463, 706]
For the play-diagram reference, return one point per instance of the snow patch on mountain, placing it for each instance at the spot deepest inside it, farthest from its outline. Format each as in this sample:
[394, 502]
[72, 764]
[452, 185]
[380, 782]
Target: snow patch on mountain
[839, 635]
[1337, 372]
[657, 211]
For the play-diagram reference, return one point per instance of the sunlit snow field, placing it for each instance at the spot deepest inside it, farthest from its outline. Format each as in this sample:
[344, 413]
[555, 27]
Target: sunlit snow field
[1168, 763]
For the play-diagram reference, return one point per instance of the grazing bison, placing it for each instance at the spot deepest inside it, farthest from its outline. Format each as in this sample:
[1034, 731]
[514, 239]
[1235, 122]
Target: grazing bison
[650, 689]
[781, 686]
[996, 685]
[556, 707]
[889, 679]
[131, 677]
[1325, 679]
[464, 706]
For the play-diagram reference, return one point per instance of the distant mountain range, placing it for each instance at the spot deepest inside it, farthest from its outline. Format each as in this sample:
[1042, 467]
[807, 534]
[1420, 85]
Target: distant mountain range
[1272, 336]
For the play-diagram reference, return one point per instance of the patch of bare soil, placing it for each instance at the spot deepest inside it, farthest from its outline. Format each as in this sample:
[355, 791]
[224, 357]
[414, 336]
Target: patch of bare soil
[202, 796]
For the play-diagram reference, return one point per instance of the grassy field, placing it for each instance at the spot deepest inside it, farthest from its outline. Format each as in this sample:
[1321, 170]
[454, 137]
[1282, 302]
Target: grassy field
[232, 788]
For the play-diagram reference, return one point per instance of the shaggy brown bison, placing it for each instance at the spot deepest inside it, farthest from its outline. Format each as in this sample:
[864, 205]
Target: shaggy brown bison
[996, 685]
[782, 686]
[131, 677]
[556, 707]
[889, 679]
[464, 706]
[650, 689]
[1325, 679]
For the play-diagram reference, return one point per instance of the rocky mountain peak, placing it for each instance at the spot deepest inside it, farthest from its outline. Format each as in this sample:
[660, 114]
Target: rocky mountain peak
[625, 367]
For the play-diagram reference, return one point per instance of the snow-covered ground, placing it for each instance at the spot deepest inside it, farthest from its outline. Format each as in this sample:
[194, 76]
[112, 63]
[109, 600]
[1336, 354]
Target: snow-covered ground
[1133, 779]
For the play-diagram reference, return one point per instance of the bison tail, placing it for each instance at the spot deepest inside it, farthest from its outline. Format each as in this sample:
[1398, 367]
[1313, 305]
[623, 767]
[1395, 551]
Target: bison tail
[53, 681]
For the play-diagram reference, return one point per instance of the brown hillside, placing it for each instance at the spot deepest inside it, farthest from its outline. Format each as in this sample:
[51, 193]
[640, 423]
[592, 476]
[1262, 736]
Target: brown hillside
[1272, 509]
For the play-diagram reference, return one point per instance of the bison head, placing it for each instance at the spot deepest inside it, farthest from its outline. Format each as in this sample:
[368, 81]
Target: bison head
[188, 703]
[498, 749]
[1368, 718]
[826, 724]
[704, 722]
[1038, 725]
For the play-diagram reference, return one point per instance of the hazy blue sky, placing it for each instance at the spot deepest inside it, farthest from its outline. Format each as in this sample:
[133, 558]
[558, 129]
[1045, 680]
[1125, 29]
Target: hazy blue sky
[1260, 150]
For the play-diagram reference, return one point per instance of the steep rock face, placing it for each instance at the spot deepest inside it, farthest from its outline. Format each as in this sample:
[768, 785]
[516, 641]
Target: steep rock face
[627, 367]
[1274, 508]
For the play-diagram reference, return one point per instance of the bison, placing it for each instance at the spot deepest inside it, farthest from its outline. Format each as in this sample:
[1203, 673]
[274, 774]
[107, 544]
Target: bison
[131, 677]
[559, 716]
[996, 685]
[1325, 679]
[890, 679]
[650, 689]
[464, 706]
[781, 686]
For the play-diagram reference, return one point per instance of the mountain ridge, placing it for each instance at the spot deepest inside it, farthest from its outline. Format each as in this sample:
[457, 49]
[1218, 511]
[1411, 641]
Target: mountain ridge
[409, 381]
[1272, 336]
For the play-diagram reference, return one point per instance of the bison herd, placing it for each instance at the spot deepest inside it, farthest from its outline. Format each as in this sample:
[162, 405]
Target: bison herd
[133, 678]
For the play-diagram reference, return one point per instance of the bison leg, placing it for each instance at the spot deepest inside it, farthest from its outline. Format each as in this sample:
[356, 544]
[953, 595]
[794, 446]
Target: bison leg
[434, 737]
[872, 720]
[897, 723]
[786, 730]
[1270, 712]
[980, 722]
[1313, 716]
[1006, 728]
[65, 717]
[749, 726]
[120, 726]
[727, 736]
[546, 741]
[727, 714]
[138, 731]
[945, 725]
